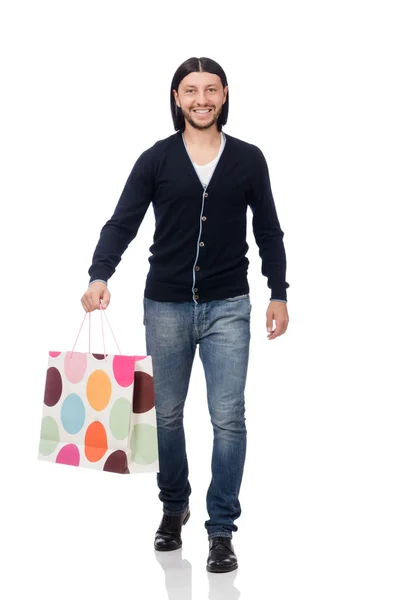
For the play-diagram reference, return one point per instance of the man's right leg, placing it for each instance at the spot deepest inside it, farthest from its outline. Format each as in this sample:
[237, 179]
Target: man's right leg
[171, 344]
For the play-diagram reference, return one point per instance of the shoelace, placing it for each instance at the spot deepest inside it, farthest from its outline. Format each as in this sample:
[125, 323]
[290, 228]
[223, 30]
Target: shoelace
[167, 520]
[218, 541]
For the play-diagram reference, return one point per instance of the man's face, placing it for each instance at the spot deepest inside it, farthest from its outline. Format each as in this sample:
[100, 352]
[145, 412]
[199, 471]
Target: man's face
[201, 97]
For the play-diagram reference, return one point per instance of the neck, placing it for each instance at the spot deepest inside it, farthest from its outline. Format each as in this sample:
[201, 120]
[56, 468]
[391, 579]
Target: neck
[202, 137]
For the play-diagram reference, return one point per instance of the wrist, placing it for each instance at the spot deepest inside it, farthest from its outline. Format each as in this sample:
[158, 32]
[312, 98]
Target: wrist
[95, 280]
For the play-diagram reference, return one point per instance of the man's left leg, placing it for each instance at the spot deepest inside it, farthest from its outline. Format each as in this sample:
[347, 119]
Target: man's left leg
[224, 351]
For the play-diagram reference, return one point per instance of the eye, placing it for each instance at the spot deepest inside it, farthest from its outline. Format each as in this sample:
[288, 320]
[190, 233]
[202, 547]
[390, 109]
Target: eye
[212, 90]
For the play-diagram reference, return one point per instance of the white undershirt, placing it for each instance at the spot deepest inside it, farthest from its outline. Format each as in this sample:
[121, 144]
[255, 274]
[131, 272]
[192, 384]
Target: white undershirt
[205, 171]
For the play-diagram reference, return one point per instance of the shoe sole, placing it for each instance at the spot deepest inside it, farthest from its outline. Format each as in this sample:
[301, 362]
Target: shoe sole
[185, 520]
[215, 570]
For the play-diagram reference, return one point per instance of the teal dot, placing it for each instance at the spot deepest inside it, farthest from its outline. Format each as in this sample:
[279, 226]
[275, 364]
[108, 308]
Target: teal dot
[120, 417]
[73, 413]
[144, 448]
[49, 436]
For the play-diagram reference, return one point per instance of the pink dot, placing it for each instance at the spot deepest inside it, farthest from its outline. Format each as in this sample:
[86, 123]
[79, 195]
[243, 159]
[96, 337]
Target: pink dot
[69, 455]
[54, 354]
[124, 368]
[75, 366]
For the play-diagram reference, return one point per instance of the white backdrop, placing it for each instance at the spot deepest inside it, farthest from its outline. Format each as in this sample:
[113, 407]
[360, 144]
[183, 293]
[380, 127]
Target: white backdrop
[85, 90]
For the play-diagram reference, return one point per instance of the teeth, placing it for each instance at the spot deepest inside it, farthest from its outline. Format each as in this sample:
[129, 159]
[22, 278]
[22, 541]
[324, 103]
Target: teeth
[202, 112]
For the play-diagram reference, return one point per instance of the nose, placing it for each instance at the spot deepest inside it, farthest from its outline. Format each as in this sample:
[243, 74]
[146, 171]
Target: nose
[201, 97]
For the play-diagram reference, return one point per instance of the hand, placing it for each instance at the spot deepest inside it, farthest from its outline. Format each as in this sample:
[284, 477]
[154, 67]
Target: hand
[96, 292]
[277, 311]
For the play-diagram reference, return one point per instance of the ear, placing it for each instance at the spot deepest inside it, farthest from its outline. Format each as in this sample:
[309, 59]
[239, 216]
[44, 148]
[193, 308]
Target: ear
[225, 93]
[176, 98]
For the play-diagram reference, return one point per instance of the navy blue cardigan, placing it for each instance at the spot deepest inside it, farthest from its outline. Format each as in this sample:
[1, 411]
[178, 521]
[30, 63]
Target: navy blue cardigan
[199, 245]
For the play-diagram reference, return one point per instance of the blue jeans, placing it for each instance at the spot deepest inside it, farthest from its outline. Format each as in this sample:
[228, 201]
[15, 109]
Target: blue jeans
[221, 328]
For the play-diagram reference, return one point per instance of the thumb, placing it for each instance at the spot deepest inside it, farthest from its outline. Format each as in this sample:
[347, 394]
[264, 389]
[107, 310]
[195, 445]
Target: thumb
[105, 298]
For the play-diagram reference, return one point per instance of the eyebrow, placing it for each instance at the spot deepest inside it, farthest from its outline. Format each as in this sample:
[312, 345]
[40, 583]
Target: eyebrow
[195, 86]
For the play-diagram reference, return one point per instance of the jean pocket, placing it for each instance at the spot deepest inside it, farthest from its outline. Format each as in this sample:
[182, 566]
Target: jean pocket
[237, 298]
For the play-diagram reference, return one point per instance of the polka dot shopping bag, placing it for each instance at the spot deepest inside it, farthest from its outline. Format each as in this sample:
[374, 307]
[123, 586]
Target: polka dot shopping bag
[99, 411]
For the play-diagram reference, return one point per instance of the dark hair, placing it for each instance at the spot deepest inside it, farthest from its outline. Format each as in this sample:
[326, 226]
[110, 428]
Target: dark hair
[194, 65]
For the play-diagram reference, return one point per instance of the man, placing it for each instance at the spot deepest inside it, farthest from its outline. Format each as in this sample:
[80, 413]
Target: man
[200, 182]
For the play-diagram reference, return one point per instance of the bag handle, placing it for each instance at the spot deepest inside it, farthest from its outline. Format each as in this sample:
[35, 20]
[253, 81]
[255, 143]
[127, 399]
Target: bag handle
[102, 311]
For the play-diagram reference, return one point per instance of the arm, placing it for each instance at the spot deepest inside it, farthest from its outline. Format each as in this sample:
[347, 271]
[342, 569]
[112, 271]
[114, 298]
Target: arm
[123, 226]
[266, 228]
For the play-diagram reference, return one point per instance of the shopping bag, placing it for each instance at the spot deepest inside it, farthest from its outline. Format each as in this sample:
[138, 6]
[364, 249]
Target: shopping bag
[99, 411]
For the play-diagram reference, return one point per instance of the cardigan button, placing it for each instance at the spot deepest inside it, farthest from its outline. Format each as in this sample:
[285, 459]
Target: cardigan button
[203, 218]
[206, 195]
[196, 297]
[197, 268]
[201, 244]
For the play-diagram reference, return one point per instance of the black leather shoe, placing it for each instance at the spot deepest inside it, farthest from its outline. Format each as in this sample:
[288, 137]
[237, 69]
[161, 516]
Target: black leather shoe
[168, 535]
[221, 558]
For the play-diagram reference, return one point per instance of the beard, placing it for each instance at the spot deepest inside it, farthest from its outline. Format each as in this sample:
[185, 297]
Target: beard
[199, 125]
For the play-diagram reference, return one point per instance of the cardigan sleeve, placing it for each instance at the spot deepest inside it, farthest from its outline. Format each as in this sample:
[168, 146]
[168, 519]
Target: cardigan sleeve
[266, 227]
[119, 231]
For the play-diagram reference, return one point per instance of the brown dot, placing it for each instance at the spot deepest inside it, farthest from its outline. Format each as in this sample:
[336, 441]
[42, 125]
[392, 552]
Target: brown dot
[53, 387]
[117, 463]
[98, 356]
[143, 392]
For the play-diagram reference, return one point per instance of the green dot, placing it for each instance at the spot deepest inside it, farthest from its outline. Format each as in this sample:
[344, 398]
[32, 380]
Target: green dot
[120, 416]
[49, 436]
[144, 447]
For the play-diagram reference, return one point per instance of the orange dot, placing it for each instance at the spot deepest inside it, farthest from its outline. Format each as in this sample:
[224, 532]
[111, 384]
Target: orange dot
[99, 389]
[96, 443]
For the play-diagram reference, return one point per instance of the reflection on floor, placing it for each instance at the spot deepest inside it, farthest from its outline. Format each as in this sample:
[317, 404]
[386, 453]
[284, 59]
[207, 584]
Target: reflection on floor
[178, 579]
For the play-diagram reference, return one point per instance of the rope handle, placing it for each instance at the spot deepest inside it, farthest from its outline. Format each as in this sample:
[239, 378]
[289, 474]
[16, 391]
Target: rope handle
[103, 312]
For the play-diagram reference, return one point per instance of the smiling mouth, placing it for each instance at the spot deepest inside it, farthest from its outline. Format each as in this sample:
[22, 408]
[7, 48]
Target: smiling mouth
[202, 111]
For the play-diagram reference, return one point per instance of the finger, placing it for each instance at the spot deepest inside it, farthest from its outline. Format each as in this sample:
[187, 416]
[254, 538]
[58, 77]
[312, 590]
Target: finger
[273, 335]
[270, 326]
[280, 329]
[91, 300]
[105, 298]
[274, 332]
[84, 304]
[285, 327]
[95, 301]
